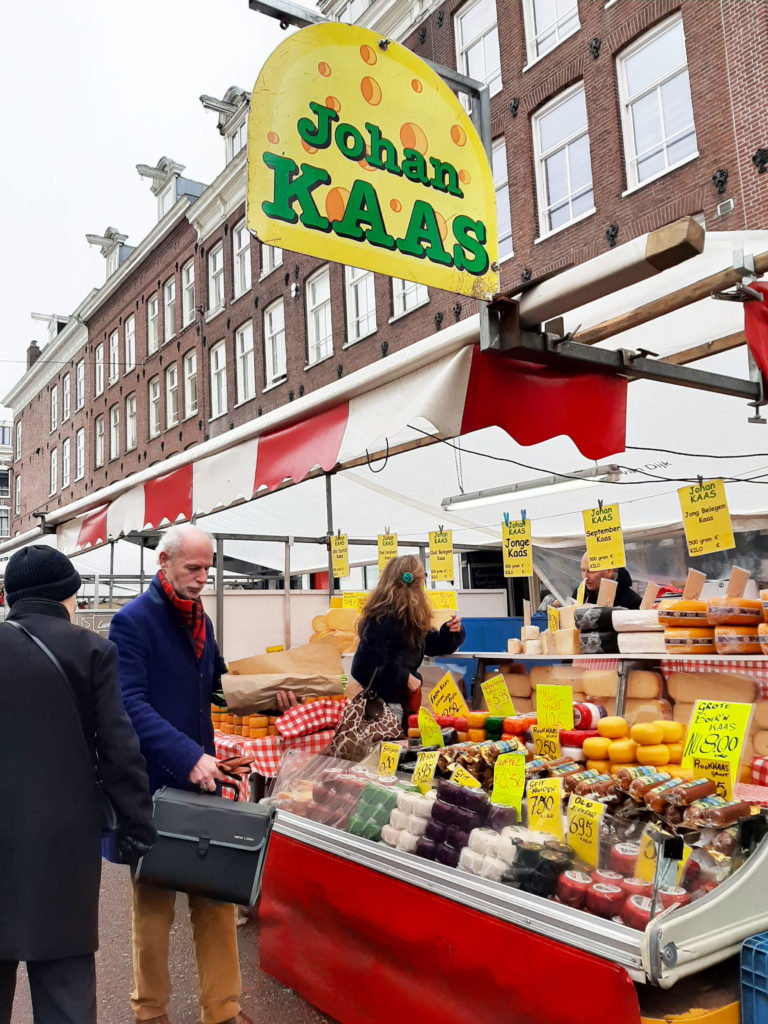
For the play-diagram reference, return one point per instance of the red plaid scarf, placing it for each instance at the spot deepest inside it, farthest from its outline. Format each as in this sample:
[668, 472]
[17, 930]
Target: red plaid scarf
[190, 612]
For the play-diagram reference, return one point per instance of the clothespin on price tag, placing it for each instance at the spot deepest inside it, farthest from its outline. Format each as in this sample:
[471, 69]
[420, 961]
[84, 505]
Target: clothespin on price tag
[694, 585]
[546, 741]
[544, 802]
[497, 696]
[509, 781]
[649, 596]
[424, 772]
[719, 771]
[389, 758]
[429, 729]
[584, 817]
[462, 778]
[603, 536]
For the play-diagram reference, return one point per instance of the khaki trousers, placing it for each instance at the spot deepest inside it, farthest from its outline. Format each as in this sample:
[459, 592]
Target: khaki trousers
[214, 934]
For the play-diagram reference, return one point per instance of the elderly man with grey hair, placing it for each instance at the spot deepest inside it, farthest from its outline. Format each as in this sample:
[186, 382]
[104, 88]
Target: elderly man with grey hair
[169, 666]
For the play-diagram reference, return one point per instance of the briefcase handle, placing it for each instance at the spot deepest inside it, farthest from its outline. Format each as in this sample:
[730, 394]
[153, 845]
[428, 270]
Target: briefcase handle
[234, 787]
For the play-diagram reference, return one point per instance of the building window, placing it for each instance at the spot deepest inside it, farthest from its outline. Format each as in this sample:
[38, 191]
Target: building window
[477, 43]
[5, 483]
[218, 380]
[114, 432]
[166, 200]
[98, 442]
[547, 23]
[54, 407]
[66, 396]
[563, 166]
[241, 254]
[271, 258]
[216, 278]
[169, 309]
[17, 495]
[237, 139]
[130, 422]
[80, 384]
[657, 114]
[114, 358]
[501, 189]
[244, 365]
[53, 472]
[129, 337]
[274, 343]
[98, 370]
[407, 295]
[361, 303]
[188, 293]
[319, 329]
[80, 454]
[152, 327]
[171, 396]
[18, 439]
[5, 521]
[66, 446]
[190, 384]
[153, 392]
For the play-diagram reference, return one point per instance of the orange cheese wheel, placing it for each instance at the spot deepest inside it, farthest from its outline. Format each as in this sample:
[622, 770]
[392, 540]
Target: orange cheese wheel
[737, 640]
[675, 752]
[476, 719]
[414, 734]
[258, 722]
[622, 751]
[689, 641]
[647, 733]
[227, 729]
[762, 633]
[597, 765]
[596, 747]
[258, 734]
[462, 737]
[734, 611]
[674, 612]
[654, 753]
[672, 732]
[476, 735]
[613, 727]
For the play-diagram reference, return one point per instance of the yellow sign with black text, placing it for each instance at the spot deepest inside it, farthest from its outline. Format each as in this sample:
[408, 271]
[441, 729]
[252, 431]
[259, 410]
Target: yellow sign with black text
[544, 803]
[339, 557]
[441, 555]
[516, 548]
[387, 548]
[605, 543]
[706, 519]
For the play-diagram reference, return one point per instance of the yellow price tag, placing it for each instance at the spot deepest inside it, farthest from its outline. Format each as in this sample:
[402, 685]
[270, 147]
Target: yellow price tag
[581, 592]
[584, 817]
[645, 865]
[429, 729]
[275, 649]
[446, 699]
[706, 520]
[546, 741]
[516, 548]
[387, 548]
[553, 619]
[605, 543]
[509, 781]
[497, 696]
[440, 600]
[462, 778]
[544, 802]
[441, 555]
[554, 706]
[719, 771]
[424, 771]
[356, 599]
[716, 730]
[389, 758]
[339, 559]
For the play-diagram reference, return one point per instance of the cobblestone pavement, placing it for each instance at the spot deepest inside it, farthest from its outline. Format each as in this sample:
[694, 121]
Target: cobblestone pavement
[264, 999]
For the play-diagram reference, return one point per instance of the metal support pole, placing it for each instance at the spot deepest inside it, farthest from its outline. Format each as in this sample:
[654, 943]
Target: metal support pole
[287, 597]
[329, 520]
[141, 565]
[220, 593]
[111, 570]
[96, 592]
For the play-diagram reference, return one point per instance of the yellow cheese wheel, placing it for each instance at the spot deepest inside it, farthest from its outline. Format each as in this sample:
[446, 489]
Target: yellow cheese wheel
[654, 753]
[476, 735]
[598, 765]
[675, 752]
[737, 640]
[596, 747]
[678, 772]
[689, 641]
[734, 611]
[341, 618]
[647, 733]
[672, 732]
[622, 751]
[674, 612]
[613, 727]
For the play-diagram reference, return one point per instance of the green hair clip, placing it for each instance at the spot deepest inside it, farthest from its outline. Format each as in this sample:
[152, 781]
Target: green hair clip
[408, 578]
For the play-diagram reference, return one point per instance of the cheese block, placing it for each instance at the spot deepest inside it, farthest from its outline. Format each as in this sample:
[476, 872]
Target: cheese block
[643, 685]
[532, 647]
[598, 643]
[737, 640]
[593, 617]
[548, 643]
[682, 713]
[760, 717]
[552, 675]
[341, 619]
[518, 685]
[514, 646]
[689, 641]
[679, 612]
[600, 683]
[568, 616]
[530, 633]
[688, 687]
[567, 641]
[641, 643]
[734, 611]
[640, 710]
[626, 620]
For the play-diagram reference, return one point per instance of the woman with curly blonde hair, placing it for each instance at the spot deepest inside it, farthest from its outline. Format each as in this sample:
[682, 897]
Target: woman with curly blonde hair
[396, 634]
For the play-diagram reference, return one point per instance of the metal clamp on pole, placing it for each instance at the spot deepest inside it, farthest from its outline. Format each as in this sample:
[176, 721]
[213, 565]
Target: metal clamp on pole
[743, 267]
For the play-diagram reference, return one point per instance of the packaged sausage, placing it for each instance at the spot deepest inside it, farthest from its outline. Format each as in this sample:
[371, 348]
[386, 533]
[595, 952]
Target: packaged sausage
[601, 786]
[570, 782]
[654, 797]
[645, 783]
[624, 776]
[715, 811]
[688, 792]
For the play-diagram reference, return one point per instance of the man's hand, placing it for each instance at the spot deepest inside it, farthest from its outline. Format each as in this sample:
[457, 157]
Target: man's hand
[286, 699]
[454, 623]
[205, 773]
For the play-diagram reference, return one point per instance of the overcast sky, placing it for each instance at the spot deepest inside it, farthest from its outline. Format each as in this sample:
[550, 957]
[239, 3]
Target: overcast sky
[90, 88]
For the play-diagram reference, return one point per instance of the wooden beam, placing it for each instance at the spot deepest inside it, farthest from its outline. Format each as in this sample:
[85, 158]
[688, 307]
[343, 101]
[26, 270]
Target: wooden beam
[707, 348]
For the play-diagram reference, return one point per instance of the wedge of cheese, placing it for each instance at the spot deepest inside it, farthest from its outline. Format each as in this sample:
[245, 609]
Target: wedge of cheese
[567, 641]
[688, 687]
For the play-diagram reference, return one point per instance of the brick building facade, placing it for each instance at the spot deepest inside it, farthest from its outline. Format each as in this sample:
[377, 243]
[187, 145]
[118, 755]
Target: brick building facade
[608, 119]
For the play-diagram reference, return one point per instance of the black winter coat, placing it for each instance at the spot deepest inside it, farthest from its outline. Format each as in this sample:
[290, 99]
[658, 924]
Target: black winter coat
[383, 647]
[50, 806]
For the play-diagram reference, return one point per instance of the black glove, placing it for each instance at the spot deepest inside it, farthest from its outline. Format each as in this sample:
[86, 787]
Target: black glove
[130, 849]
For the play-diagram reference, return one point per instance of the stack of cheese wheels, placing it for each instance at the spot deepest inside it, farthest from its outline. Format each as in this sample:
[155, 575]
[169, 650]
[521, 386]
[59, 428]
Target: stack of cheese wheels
[658, 743]
[686, 629]
[639, 632]
[338, 625]
[644, 701]
[735, 620]
[646, 743]
[476, 726]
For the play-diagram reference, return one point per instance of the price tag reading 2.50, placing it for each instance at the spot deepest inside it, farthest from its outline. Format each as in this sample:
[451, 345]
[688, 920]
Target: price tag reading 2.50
[584, 818]
[546, 741]
[544, 806]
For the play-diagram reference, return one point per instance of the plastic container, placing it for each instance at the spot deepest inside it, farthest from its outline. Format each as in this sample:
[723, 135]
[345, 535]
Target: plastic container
[754, 979]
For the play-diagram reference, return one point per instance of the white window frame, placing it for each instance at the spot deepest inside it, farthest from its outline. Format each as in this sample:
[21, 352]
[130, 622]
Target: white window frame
[153, 405]
[216, 279]
[245, 368]
[5, 490]
[17, 494]
[218, 365]
[54, 407]
[541, 157]
[66, 458]
[360, 288]
[271, 259]
[80, 453]
[66, 397]
[98, 442]
[190, 384]
[500, 171]
[113, 361]
[17, 450]
[319, 318]
[5, 521]
[79, 384]
[171, 396]
[129, 342]
[463, 46]
[169, 309]
[274, 343]
[53, 471]
[561, 29]
[241, 259]
[98, 370]
[166, 200]
[130, 422]
[114, 432]
[631, 157]
[153, 331]
[237, 138]
[407, 296]
[187, 293]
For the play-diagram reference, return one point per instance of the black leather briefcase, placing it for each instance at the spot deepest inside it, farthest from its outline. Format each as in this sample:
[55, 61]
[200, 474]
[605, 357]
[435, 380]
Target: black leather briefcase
[207, 846]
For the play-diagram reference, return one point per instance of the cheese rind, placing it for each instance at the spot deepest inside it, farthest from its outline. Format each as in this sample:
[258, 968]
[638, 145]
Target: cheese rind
[567, 641]
[643, 685]
[548, 643]
[641, 643]
[760, 718]
[530, 633]
[626, 620]
[519, 685]
[688, 687]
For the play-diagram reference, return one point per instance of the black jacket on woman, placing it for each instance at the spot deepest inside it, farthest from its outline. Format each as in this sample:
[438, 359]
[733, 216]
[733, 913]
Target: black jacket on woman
[382, 646]
[50, 805]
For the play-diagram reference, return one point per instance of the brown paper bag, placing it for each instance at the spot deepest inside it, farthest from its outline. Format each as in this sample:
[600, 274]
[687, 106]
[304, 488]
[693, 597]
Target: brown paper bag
[313, 670]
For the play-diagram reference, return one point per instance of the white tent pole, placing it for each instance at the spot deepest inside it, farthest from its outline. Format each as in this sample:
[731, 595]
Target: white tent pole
[111, 571]
[220, 592]
[287, 596]
[329, 520]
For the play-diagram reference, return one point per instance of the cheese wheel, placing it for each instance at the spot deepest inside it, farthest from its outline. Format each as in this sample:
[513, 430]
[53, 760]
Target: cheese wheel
[256, 734]
[688, 687]
[596, 747]
[636, 621]
[342, 619]
[529, 633]
[643, 685]
[682, 713]
[601, 766]
[671, 732]
[518, 685]
[641, 710]
[600, 683]
[319, 623]
[760, 717]
[258, 722]
[622, 751]
[678, 612]
[613, 727]
[554, 675]
[675, 751]
[760, 743]
[641, 643]
[656, 754]
[678, 772]
[618, 765]
[737, 640]
[734, 611]
[648, 733]
[689, 641]
[762, 633]
[514, 646]
[524, 705]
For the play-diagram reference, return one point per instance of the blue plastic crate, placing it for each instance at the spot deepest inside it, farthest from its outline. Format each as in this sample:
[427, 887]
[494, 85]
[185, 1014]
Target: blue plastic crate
[754, 980]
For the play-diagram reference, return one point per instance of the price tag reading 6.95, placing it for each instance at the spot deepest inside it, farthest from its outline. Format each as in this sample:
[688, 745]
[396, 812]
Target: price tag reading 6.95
[544, 806]
[584, 828]
[424, 771]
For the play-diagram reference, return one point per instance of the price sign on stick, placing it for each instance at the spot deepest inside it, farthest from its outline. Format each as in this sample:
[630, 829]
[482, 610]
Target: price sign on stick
[584, 818]
[546, 741]
[462, 778]
[497, 696]
[388, 758]
[424, 771]
[716, 730]
[706, 520]
[339, 558]
[429, 729]
[516, 548]
[544, 806]
[509, 781]
[605, 543]
[645, 865]
[554, 706]
[387, 548]
[441, 555]
[446, 699]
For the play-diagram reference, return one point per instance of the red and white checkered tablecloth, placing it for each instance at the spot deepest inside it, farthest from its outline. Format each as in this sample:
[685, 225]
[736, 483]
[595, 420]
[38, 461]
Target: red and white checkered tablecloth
[267, 753]
[760, 770]
[305, 719]
[753, 668]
